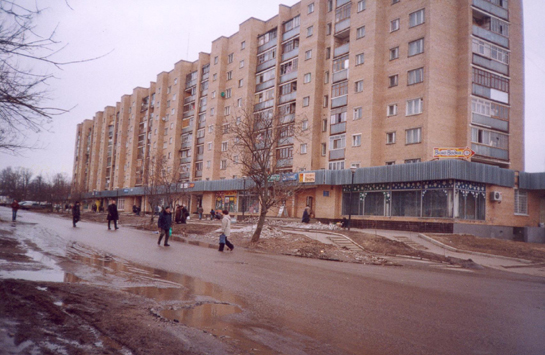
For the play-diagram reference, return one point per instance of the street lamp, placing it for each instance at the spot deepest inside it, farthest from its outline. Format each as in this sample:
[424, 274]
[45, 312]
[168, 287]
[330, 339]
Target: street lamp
[353, 171]
[244, 195]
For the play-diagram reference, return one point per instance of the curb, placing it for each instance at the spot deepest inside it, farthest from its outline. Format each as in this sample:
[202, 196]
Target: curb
[448, 247]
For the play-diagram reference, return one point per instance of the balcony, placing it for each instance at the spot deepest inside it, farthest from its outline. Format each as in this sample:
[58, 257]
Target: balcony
[191, 83]
[189, 113]
[491, 152]
[336, 154]
[266, 46]
[291, 54]
[291, 33]
[491, 64]
[285, 141]
[340, 75]
[266, 65]
[341, 50]
[339, 101]
[491, 8]
[287, 77]
[202, 109]
[205, 77]
[489, 93]
[201, 125]
[187, 129]
[200, 157]
[338, 128]
[185, 160]
[342, 28]
[281, 163]
[184, 175]
[198, 173]
[264, 105]
[342, 2]
[200, 140]
[204, 92]
[287, 98]
[186, 145]
[189, 99]
[491, 36]
[490, 122]
[263, 86]
[287, 119]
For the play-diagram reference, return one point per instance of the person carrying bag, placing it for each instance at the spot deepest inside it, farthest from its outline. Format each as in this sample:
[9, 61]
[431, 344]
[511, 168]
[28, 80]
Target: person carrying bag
[225, 231]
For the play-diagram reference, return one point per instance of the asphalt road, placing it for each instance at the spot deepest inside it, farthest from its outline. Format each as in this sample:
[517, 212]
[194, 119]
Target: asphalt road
[305, 306]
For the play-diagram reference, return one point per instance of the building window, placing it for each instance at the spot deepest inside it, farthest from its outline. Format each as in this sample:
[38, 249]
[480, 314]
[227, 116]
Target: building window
[239, 103]
[358, 86]
[416, 47]
[228, 93]
[227, 110]
[337, 142]
[414, 107]
[326, 77]
[175, 81]
[326, 100]
[241, 65]
[390, 138]
[212, 111]
[307, 78]
[329, 5]
[394, 53]
[390, 163]
[240, 83]
[224, 146]
[323, 149]
[412, 161]
[416, 18]
[360, 59]
[306, 101]
[213, 94]
[360, 32]
[413, 136]
[391, 110]
[310, 8]
[521, 202]
[394, 25]
[304, 125]
[209, 146]
[230, 75]
[324, 125]
[392, 80]
[304, 148]
[329, 28]
[358, 113]
[214, 76]
[336, 165]
[215, 60]
[361, 5]
[242, 45]
[395, 1]
[208, 164]
[415, 76]
[309, 31]
[308, 54]
[223, 164]
[356, 140]
[230, 58]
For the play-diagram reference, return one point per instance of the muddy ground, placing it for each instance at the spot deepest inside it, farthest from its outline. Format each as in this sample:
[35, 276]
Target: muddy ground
[78, 318]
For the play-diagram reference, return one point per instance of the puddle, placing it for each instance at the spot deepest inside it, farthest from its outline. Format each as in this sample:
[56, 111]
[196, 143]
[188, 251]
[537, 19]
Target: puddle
[200, 316]
[42, 268]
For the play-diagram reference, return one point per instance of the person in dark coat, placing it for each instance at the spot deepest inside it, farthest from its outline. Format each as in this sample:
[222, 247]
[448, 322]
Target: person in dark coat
[14, 208]
[200, 210]
[76, 214]
[178, 215]
[164, 223]
[212, 214]
[112, 214]
[306, 215]
[184, 215]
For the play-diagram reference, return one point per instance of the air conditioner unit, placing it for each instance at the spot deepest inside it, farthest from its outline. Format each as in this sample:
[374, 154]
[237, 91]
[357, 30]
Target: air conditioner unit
[495, 196]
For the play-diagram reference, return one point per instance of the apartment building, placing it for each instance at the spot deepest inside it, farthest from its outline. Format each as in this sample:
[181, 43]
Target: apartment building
[374, 85]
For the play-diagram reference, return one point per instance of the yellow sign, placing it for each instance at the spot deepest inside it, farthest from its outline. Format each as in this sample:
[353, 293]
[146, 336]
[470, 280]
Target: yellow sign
[308, 177]
[448, 153]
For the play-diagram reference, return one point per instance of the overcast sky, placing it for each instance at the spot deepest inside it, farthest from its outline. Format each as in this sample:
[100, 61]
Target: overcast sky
[144, 38]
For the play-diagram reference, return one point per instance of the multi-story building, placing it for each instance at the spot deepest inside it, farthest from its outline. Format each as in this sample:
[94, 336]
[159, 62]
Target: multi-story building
[371, 83]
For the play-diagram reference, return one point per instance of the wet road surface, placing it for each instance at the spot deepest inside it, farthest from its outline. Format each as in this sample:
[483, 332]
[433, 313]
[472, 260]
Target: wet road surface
[281, 304]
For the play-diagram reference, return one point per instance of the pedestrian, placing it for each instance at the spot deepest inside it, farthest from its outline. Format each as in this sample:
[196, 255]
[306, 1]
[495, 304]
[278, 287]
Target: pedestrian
[185, 214]
[14, 208]
[164, 223]
[138, 209]
[135, 210]
[178, 215]
[212, 214]
[76, 214]
[306, 215]
[200, 210]
[112, 214]
[225, 231]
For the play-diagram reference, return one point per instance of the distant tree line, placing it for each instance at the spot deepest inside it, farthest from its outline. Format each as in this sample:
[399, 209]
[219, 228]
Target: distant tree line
[21, 184]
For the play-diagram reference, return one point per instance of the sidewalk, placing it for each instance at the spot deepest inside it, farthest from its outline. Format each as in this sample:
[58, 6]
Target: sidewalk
[422, 242]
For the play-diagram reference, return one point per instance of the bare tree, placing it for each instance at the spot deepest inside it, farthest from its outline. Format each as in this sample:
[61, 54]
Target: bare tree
[263, 143]
[16, 182]
[60, 189]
